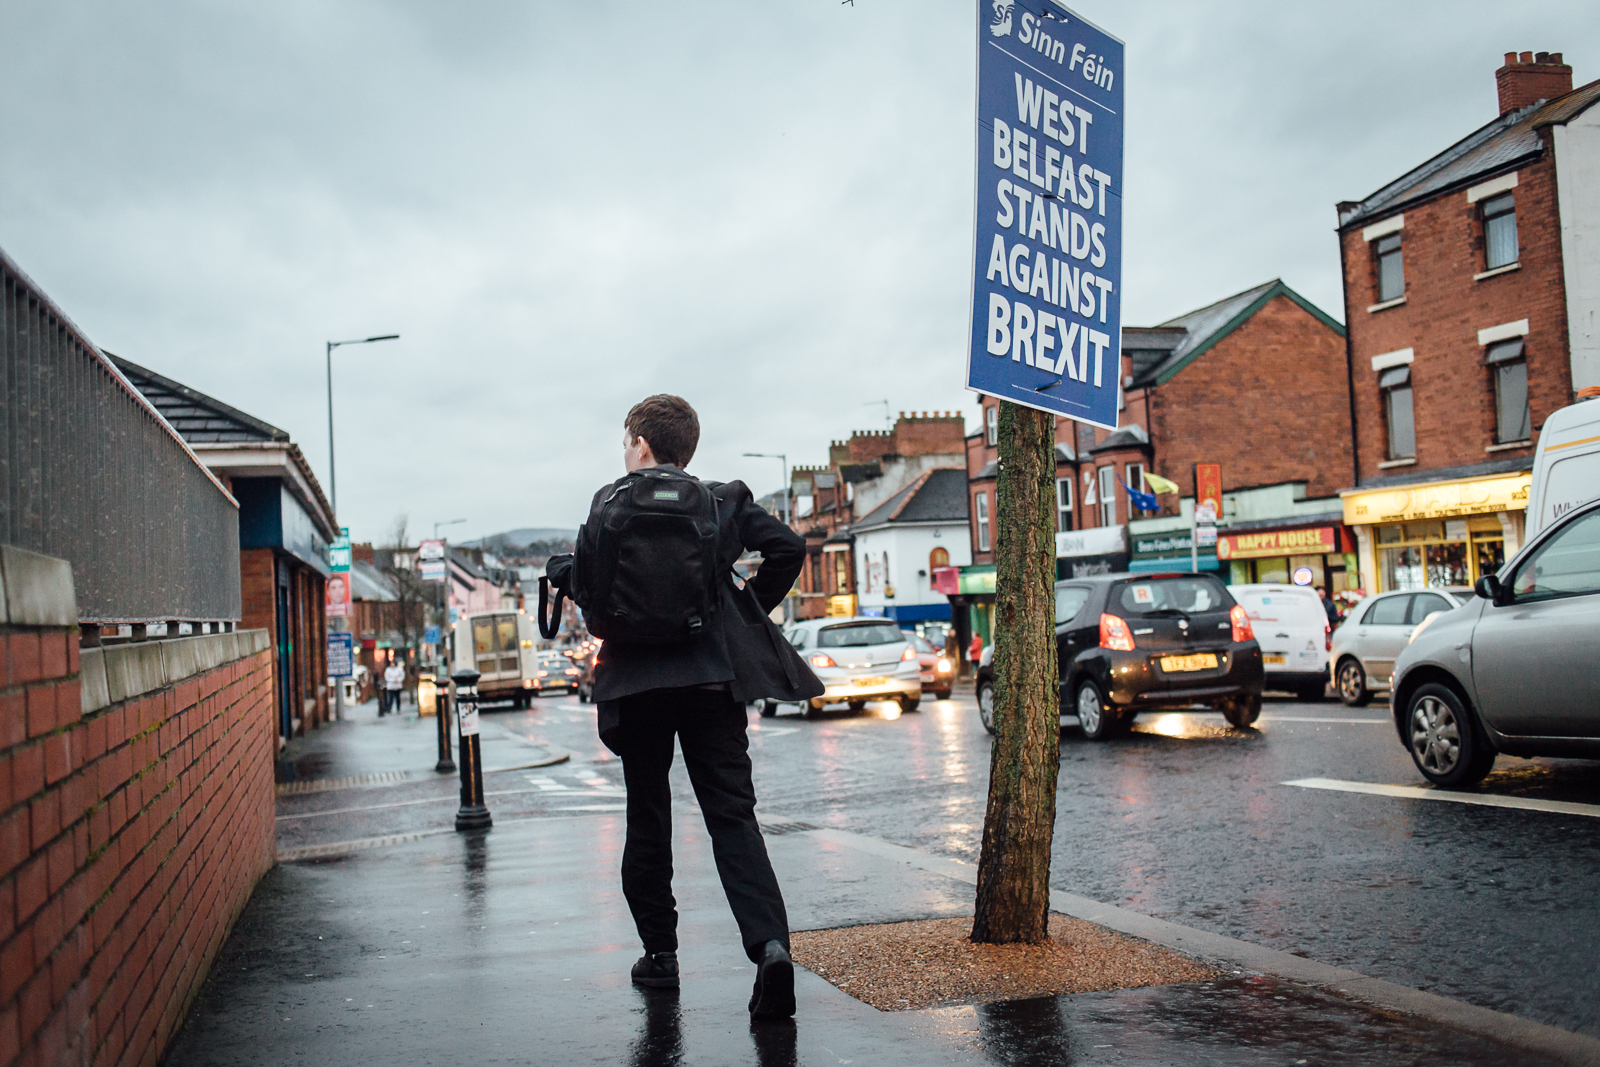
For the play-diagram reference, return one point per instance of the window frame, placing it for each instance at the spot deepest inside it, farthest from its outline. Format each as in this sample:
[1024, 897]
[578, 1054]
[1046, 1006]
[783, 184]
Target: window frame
[1391, 382]
[991, 424]
[1108, 493]
[1133, 483]
[981, 518]
[1490, 212]
[1064, 513]
[1502, 357]
[1390, 244]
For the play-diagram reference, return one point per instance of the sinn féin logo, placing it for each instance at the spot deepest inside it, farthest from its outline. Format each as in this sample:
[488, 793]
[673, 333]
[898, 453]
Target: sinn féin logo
[1001, 25]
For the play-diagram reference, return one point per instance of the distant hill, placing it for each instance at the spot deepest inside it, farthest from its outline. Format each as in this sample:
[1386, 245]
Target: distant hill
[525, 536]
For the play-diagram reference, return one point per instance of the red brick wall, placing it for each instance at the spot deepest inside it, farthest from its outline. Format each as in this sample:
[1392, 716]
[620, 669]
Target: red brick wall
[1452, 391]
[1269, 402]
[258, 589]
[130, 841]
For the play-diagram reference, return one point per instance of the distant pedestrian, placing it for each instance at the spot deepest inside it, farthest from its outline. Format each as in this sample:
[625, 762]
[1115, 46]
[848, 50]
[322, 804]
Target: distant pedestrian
[1329, 608]
[975, 650]
[666, 671]
[394, 682]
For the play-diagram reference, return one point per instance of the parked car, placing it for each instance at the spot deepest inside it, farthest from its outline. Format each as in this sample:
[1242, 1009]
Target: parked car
[1362, 652]
[1128, 643]
[556, 671]
[1513, 670]
[858, 659]
[1292, 628]
[1566, 464]
[938, 673]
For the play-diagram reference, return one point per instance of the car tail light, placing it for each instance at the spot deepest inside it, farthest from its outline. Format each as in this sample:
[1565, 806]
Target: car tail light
[543, 673]
[822, 660]
[908, 655]
[1241, 624]
[1327, 637]
[1114, 634]
[527, 683]
[943, 666]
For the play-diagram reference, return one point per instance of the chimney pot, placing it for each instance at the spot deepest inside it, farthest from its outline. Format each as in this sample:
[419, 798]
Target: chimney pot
[1541, 57]
[1511, 57]
[1523, 81]
[1526, 57]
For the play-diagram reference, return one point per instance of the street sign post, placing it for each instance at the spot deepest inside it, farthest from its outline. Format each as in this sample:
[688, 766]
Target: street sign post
[1046, 316]
[338, 604]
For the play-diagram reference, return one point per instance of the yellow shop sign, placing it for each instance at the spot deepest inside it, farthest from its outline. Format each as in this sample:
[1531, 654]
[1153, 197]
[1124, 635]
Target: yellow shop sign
[1439, 500]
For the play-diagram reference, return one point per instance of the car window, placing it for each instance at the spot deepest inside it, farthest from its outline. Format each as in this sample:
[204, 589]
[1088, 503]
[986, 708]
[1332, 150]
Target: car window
[1425, 604]
[1389, 611]
[1069, 601]
[797, 638]
[1568, 564]
[1188, 594]
[919, 643]
[855, 635]
[482, 636]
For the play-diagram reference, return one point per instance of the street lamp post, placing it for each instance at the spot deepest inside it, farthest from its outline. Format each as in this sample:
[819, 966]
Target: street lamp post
[788, 509]
[333, 478]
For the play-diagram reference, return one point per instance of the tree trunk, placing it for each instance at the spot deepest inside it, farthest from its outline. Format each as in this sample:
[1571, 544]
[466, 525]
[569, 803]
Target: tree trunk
[1013, 902]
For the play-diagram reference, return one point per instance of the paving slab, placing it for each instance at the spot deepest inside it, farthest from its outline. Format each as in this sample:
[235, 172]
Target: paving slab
[514, 947]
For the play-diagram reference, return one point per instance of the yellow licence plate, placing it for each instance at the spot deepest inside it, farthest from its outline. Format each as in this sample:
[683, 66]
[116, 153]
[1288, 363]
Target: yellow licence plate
[1271, 658]
[1203, 661]
[871, 681]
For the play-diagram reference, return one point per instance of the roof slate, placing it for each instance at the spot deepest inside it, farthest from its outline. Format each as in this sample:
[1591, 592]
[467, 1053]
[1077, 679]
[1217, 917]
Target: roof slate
[937, 496]
[198, 418]
[1507, 140]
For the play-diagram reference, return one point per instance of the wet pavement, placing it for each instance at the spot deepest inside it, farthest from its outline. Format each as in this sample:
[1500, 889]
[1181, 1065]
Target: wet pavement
[1185, 820]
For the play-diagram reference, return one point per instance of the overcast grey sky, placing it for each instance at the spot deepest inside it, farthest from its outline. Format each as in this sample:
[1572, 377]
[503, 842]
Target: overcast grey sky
[564, 207]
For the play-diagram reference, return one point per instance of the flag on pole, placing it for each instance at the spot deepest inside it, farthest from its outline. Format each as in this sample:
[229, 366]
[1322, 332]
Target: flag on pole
[1142, 501]
[1160, 484]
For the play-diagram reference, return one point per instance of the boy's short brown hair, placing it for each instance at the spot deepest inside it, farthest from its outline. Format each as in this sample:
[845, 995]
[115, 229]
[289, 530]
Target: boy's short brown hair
[669, 424]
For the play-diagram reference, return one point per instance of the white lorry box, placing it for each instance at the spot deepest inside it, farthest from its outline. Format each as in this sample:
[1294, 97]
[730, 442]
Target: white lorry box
[1566, 465]
[500, 646]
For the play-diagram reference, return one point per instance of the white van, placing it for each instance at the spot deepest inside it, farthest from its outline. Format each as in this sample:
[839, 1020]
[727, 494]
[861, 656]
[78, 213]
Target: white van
[500, 646]
[1566, 465]
[1292, 629]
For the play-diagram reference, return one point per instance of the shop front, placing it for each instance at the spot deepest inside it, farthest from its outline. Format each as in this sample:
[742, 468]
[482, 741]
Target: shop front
[1098, 550]
[1438, 534]
[1169, 551]
[1312, 556]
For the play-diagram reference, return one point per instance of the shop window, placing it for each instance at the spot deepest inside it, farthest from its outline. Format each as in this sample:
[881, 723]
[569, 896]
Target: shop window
[1439, 555]
[841, 572]
[1512, 419]
[1135, 477]
[1500, 231]
[1391, 272]
[1395, 385]
[1108, 496]
[1063, 504]
[982, 509]
[991, 424]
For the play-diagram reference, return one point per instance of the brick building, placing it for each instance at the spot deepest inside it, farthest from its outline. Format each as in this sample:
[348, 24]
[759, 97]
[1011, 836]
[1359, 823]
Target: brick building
[863, 471]
[1256, 383]
[1471, 285]
[285, 527]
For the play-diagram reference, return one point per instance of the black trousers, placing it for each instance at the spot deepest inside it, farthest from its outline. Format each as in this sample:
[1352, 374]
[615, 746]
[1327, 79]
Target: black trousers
[710, 728]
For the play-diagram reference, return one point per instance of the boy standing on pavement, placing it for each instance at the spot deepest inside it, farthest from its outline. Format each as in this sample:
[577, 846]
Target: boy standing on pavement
[695, 691]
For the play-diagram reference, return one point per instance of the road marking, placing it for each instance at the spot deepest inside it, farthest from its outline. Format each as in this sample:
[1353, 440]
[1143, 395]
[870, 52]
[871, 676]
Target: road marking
[1415, 792]
[775, 731]
[1309, 718]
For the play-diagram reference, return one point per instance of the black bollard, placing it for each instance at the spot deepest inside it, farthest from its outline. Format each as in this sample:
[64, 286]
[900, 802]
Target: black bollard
[441, 710]
[473, 814]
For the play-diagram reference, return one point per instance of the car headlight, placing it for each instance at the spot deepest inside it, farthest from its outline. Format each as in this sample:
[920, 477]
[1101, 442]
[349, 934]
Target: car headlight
[1423, 625]
[943, 666]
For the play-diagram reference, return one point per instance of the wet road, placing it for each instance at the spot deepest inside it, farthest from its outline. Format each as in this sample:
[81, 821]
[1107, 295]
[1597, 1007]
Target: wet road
[1184, 819]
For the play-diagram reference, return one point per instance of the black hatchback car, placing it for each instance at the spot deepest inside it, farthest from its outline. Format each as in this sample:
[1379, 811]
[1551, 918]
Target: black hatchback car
[1128, 643]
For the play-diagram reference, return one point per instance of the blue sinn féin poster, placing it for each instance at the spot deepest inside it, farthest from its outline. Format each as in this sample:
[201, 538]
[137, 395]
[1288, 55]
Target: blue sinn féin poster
[1047, 255]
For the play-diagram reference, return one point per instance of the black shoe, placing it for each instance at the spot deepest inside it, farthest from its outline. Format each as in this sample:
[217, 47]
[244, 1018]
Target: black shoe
[773, 996]
[658, 970]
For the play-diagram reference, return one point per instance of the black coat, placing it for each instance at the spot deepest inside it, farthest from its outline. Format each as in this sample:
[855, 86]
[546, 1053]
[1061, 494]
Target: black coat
[742, 649]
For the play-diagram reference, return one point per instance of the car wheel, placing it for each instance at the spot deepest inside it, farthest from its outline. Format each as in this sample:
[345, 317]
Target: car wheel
[1445, 744]
[814, 708]
[856, 705]
[943, 694]
[1353, 684]
[908, 703]
[1097, 722]
[986, 705]
[769, 708]
[1242, 712]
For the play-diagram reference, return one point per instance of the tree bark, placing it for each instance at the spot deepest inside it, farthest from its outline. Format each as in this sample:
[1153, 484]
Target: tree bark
[1013, 903]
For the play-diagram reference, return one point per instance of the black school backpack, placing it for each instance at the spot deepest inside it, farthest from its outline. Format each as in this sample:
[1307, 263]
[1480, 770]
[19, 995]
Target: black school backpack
[645, 568]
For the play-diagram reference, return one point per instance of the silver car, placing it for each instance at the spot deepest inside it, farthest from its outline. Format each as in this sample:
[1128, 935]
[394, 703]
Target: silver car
[858, 659]
[1515, 669]
[1363, 649]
